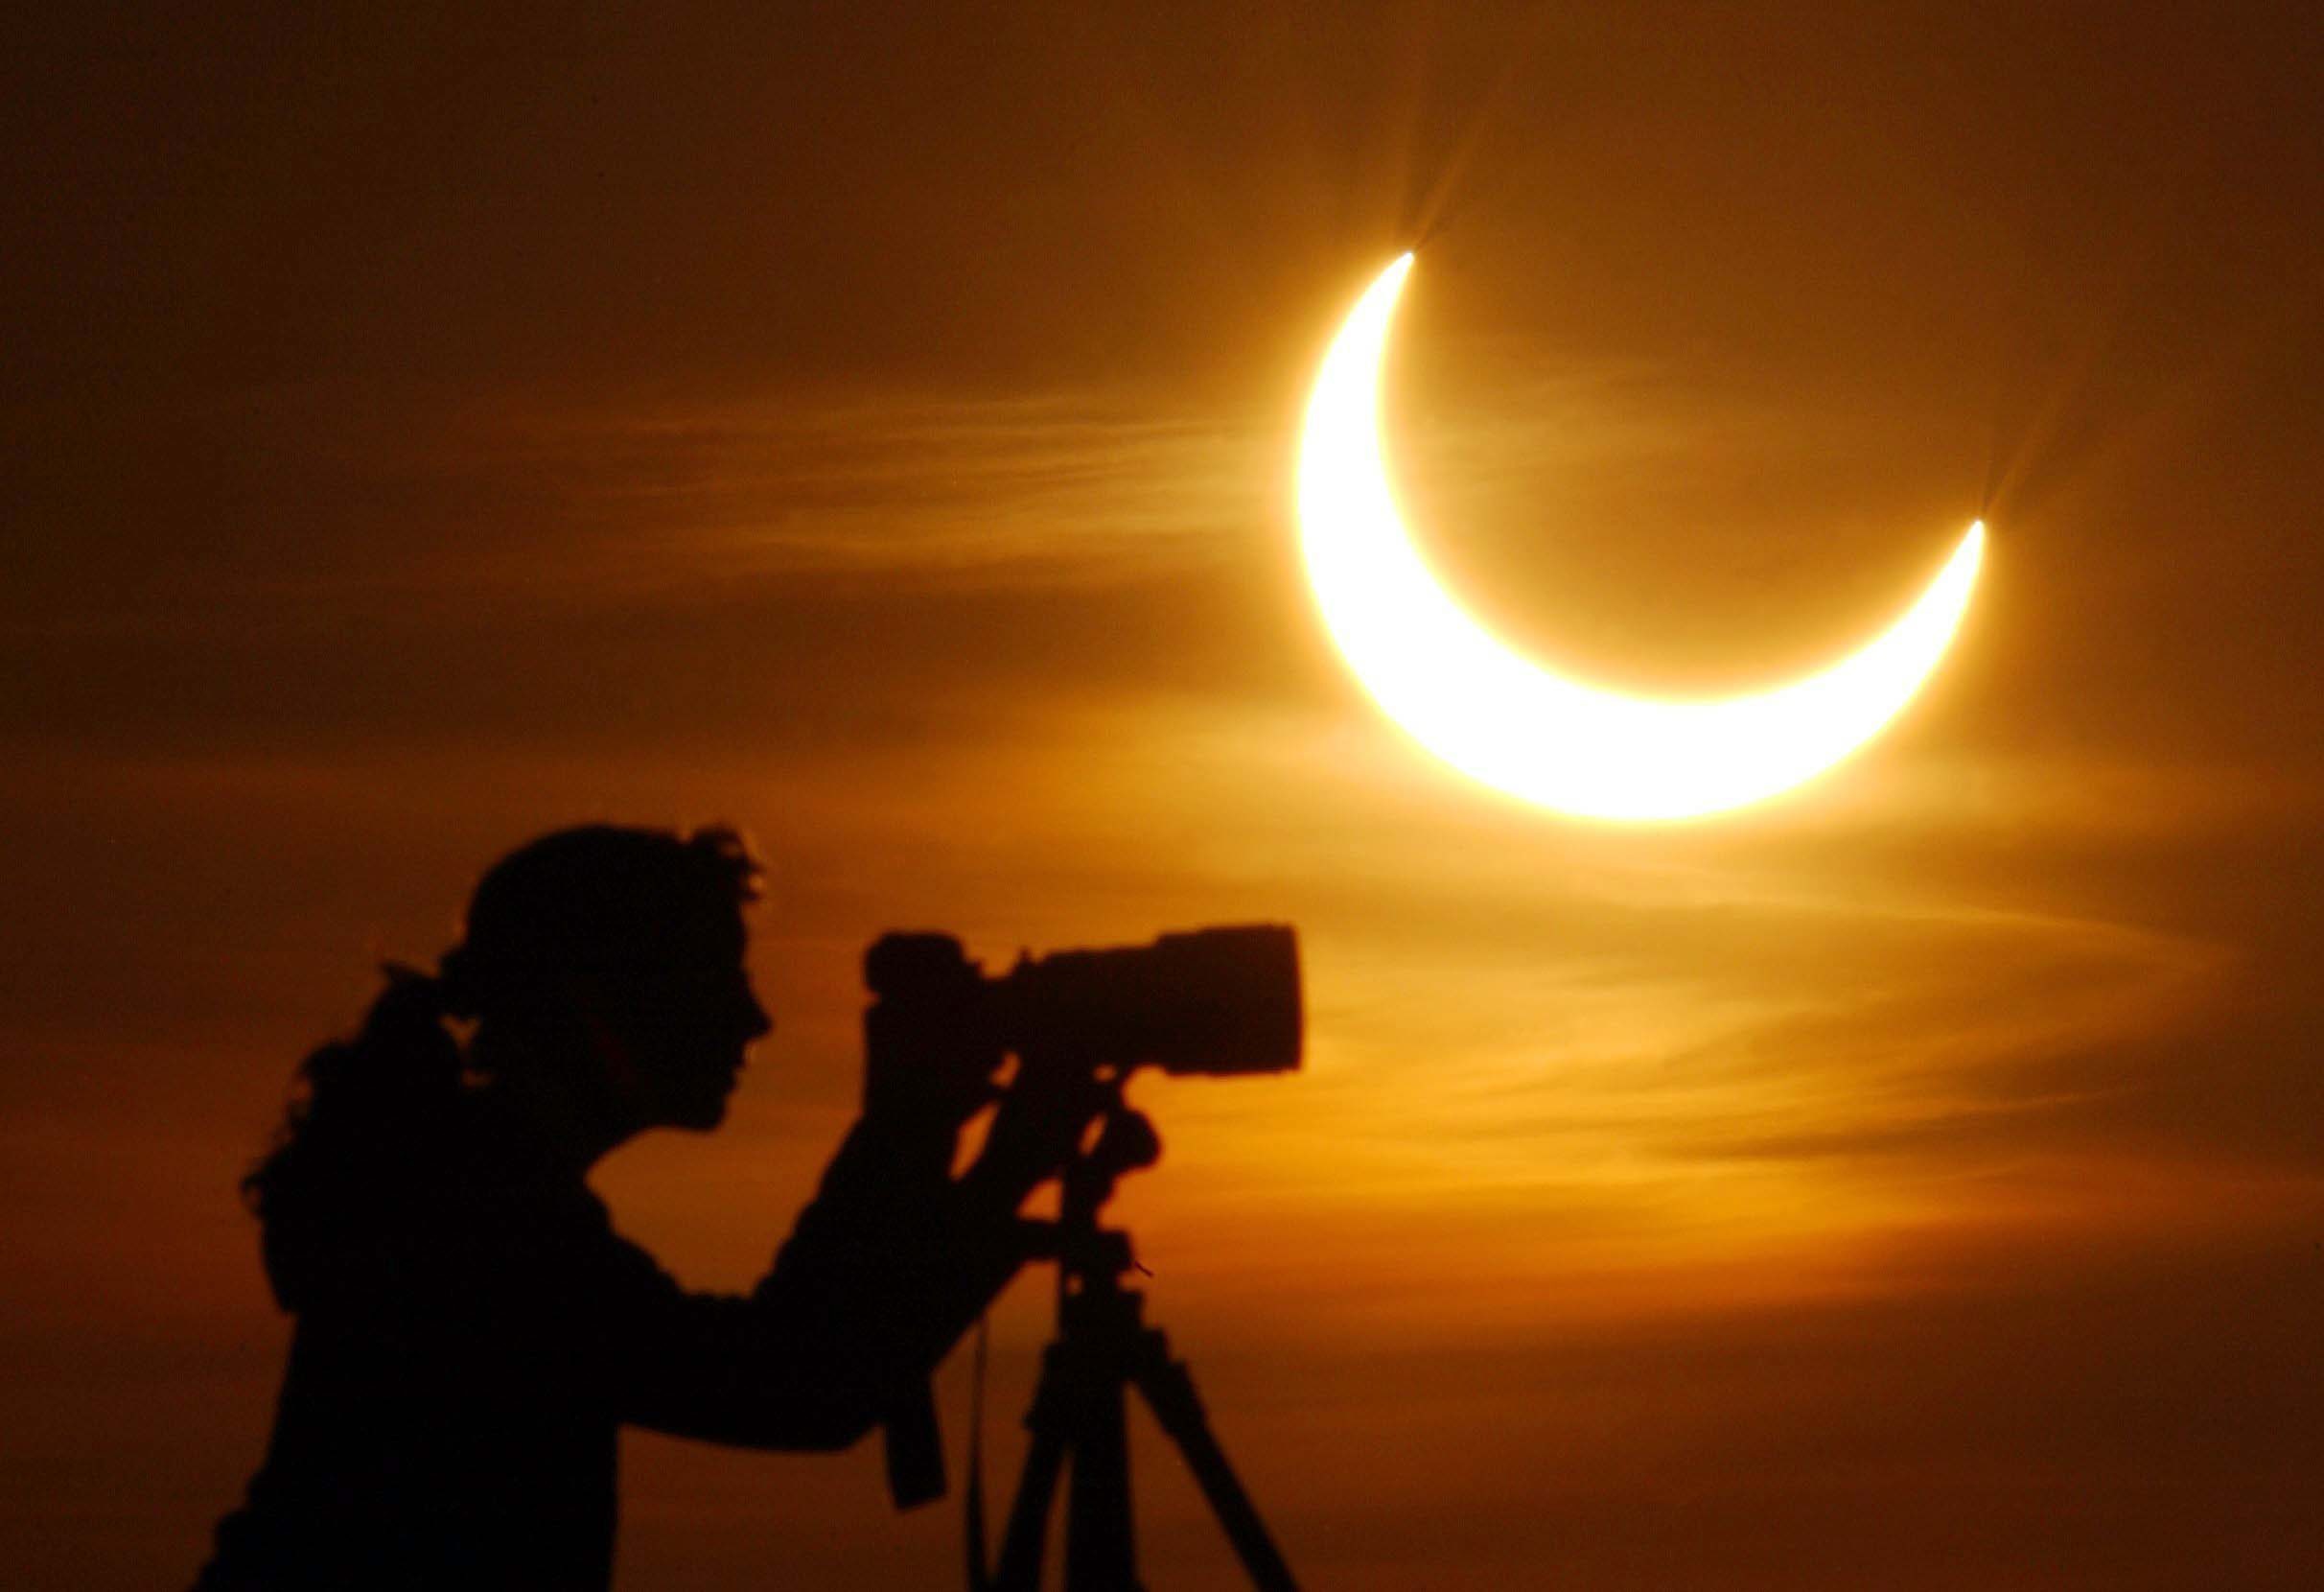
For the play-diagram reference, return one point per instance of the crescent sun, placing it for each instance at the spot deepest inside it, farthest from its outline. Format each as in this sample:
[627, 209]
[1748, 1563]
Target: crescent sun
[1526, 730]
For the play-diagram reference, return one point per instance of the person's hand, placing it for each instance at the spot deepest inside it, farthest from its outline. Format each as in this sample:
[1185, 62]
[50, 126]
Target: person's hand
[1038, 1127]
[929, 1062]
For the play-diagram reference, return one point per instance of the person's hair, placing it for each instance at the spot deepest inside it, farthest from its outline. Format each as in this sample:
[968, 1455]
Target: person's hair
[572, 907]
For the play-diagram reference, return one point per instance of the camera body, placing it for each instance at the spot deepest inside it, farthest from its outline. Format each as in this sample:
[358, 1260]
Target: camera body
[1211, 1002]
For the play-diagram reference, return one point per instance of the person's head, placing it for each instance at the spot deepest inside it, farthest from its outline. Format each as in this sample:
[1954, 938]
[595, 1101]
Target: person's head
[614, 956]
[602, 962]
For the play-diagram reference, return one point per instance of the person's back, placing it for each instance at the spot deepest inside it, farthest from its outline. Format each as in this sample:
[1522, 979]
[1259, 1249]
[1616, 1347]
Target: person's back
[448, 1415]
[470, 1333]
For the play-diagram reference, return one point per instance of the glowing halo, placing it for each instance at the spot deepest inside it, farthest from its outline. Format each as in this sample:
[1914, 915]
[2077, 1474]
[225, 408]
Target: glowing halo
[1503, 719]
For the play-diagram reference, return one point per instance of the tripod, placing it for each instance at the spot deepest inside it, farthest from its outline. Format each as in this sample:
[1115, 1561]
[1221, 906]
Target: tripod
[1102, 1350]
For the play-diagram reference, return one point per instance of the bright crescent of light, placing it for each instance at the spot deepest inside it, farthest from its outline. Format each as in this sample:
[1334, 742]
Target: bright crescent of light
[1504, 719]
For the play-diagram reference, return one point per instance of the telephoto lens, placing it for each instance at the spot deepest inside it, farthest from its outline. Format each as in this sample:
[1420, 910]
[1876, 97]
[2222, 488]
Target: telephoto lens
[1213, 1003]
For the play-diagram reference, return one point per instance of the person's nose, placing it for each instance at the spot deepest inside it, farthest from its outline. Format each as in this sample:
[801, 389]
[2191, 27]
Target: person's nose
[756, 1023]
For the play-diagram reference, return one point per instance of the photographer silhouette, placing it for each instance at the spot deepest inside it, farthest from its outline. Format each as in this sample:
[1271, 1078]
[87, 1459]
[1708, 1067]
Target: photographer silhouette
[471, 1332]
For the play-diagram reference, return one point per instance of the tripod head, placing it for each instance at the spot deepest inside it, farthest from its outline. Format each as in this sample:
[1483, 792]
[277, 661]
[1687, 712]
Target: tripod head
[1105, 1349]
[1089, 1255]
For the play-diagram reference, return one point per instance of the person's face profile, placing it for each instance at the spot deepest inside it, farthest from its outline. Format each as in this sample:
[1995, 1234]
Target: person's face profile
[683, 1031]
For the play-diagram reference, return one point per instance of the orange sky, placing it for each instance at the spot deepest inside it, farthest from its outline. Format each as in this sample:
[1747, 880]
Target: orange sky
[878, 433]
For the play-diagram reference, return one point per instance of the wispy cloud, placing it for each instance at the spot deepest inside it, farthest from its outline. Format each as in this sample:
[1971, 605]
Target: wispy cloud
[1061, 487]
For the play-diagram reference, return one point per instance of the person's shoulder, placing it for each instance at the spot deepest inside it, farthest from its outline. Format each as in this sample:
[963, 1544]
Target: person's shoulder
[497, 1168]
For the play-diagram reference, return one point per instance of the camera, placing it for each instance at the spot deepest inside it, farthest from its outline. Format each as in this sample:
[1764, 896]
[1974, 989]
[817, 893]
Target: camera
[1211, 1002]
[1218, 1003]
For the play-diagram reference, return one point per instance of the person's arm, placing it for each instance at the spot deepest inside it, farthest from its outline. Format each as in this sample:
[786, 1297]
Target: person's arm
[806, 1361]
[893, 1260]
[888, 1265]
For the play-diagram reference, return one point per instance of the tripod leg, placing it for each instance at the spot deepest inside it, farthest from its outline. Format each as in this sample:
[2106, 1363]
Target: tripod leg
[1027, 1542]
[1101, 1551]
[1170, 1393]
